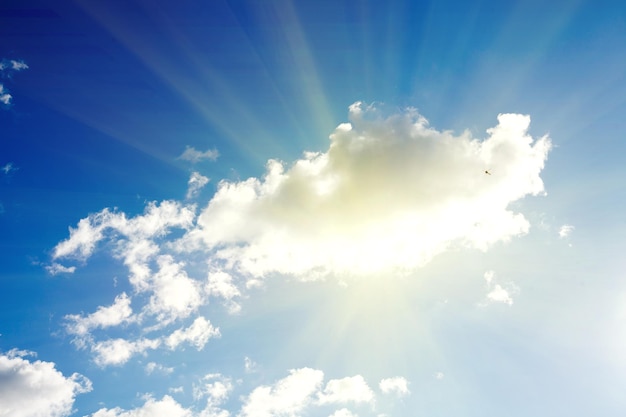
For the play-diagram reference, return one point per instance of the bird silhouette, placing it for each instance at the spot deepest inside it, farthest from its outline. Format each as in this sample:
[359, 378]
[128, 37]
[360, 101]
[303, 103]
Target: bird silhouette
[487, 172]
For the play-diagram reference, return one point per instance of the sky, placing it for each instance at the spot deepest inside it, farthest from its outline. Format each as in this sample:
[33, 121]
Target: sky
[252, 208]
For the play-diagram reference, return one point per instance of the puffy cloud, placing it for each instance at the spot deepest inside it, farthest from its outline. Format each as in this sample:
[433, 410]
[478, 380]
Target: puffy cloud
[215, 387]
[349, 389]
[156, 222]
[174, 294]
[198, 334]
[167, 406]
[565, 230]
[344, 412]
[193, 155]
[287, 397]
[439, 375]
[195, 184]
[398, 385]
[113, 315]
[36, 389]
[118, 351]
[390, 193]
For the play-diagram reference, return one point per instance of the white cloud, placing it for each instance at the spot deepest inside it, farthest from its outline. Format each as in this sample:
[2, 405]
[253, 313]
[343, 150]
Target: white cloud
[174, 294]
[496, 292]
[220, 284]
[390, 193]
[35, 389]
[565, 230]
[117, 313]
[287, 397]
[215, 387]
[56, 269]
[18, 65]
[439, 375]
[156, 222]
[249, 365]
[198, 334]
[344, 412]
[349, 389]
[5, 97]
[192, 155]
[397, 385]
[195, 184]
[117, 352]
[152, 367]
[167, 406]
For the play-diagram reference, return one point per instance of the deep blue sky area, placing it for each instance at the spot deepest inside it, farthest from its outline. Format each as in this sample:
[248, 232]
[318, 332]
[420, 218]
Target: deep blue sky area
[312, 208]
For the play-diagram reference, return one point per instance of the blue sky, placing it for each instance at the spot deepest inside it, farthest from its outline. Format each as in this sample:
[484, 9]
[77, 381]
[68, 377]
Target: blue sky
[298, 208]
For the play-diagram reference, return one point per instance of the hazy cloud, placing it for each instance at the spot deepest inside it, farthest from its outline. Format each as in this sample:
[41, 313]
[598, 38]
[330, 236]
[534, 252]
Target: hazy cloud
[397, 385]
[192, 155]
[565, 230]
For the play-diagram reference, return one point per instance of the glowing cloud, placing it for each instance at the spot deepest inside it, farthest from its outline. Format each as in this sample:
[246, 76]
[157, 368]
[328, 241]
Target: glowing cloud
[389, 194]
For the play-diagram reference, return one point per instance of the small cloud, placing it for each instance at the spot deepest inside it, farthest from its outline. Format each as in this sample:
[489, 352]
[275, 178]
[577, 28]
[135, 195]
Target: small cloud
[176, 390]
[344, 412]
[398, 385]
[18, 65]
[153, 367]
[439, 375]
[249, 365]
[496, 293]
[198, 334]
[9, 166]
[5, 97]
[565, 230]
[193, 155]
[195, 184]
[350, 389]
[56, 268]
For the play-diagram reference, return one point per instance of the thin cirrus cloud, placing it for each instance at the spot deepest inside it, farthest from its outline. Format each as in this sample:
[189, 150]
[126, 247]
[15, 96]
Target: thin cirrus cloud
[36, 388]
[193, 155]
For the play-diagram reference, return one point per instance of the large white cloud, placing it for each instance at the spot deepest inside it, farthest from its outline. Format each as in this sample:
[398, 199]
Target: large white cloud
[36, 389]
[350, 389]
[390, 193]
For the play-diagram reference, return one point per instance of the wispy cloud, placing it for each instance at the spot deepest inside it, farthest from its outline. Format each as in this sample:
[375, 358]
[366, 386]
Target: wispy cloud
[193, 155]
[7, 68]
[195, 184]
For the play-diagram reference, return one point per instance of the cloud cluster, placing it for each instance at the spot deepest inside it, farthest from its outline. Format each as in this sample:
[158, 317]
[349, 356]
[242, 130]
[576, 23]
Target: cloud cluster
[299, 393]
[389, 194]
[32, 389]
[496, 293]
